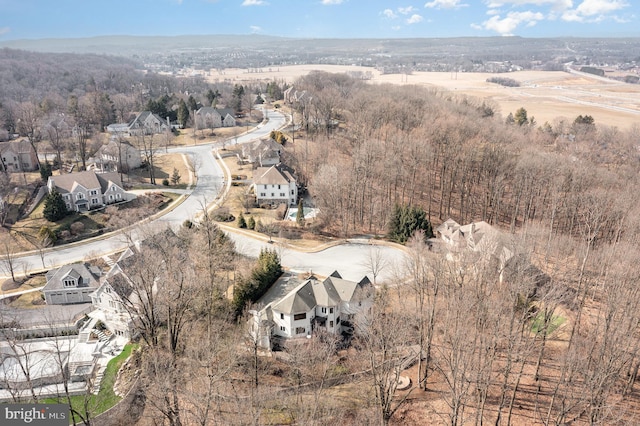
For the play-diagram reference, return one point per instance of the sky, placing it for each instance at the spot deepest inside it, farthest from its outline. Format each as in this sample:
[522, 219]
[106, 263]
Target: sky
[33, 19]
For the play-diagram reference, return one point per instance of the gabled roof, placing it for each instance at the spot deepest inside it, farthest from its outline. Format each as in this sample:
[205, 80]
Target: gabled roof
[274, 175]
[330, 292]
[18, 146]
[86, 276]
[300, 300]
[87, 179]
[207, 110]
[142, 117]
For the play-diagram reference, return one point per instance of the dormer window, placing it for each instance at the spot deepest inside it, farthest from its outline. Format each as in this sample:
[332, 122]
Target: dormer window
[69, 282]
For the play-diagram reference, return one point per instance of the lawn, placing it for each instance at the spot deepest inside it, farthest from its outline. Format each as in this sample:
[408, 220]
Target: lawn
[106, 398]
[537, 324]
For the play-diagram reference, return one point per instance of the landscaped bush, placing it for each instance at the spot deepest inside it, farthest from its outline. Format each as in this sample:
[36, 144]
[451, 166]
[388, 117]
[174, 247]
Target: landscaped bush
[77, 228]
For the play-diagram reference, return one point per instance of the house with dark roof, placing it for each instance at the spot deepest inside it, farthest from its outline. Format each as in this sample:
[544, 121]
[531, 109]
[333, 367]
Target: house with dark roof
[83, 191]
[212, 118]
[18, 156]
[71, 284]
[275, 185]
[313, 306]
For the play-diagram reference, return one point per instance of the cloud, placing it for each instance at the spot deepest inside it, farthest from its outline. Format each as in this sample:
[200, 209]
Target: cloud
[5, 30]
[406, 10]
[594, 10]
[445, 4]
[255, 29]
[554, 4]
[389, 14]
[330, 2]
[254, 3]
[505, 26]
[414, 19]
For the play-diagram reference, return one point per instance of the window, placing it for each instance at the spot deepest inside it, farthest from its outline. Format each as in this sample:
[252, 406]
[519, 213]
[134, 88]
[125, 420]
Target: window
[330, 324]
[94, 201]
[278, 186]
[282, 194]
[69, 282]
[118, 196]
[110, 197]
[272, 194]
[94, 192]
[292, 192]
[113, 189]
[283, 328]
[79, 196]
[67, 196]
[281, 316]
[297, 317]
[107, 289]
[262, 194]
[300, 330]
[338, 320]
[324, 310]
[330, 310]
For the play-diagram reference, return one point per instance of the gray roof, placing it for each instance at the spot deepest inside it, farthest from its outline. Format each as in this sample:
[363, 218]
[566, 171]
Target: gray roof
[85, 275]
[88, 179]
[274, 175]
[330, 292]
[17, 146]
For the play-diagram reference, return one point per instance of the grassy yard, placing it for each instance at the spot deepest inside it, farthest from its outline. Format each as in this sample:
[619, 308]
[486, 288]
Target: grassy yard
[164, 164]
[106, 398]
[537, 324]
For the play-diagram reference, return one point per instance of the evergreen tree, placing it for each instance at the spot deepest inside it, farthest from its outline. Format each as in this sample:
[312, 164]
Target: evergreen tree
[406, 220]
[251, 223]
[300, 214]
[175, 177]
[263, 275]
[241, 222]
[521, 117]
[192, 105]
[45, 171]
[54, 206]
[183, 113]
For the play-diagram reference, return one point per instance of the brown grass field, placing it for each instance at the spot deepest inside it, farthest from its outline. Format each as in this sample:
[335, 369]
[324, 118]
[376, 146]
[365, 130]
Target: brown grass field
[546, 95]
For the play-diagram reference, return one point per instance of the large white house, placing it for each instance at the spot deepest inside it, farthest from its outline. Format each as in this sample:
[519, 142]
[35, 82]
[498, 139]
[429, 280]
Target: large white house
[211, 118]
[88, 190]
[313, 306]
[275, 185]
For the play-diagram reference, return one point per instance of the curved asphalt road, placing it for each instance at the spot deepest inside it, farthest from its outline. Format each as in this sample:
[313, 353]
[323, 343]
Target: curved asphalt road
[352, 259]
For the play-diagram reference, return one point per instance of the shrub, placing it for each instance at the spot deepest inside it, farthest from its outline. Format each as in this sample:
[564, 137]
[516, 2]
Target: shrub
[165, 182]
[77, 228]
[241, 222]
[251, 223]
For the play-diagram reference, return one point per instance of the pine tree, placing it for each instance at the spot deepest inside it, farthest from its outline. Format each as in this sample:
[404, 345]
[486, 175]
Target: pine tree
[54, 207]
[45, 171]
[251, 223]
[241, 222]
[405, 221]
[183, 113]
[175, 177]
[300, 214]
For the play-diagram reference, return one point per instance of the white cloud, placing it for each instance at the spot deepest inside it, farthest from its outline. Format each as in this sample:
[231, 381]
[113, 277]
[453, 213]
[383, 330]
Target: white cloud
[406, 10]
[329, 2]
[254, 3]
[5, 30]
[594, 10]
[445, 4]
[505, 26]
[554, 4]
[414, 19]
[255, 29]
[389, 14]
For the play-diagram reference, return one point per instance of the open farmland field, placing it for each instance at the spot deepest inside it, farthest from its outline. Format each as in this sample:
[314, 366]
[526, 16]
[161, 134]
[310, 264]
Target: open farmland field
[546, 95]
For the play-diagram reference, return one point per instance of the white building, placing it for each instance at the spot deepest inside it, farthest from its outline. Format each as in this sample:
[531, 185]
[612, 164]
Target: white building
[275, 185]
[329, 306]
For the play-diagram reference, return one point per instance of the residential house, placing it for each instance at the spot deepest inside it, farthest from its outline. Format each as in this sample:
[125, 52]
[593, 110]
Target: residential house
[263, 153]
[117, 156]
[313, 306]
[18, 156]
[88, 190]
[116, 301]
[71, 284]
[148, 123]
[275, 185]
[212, 118]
